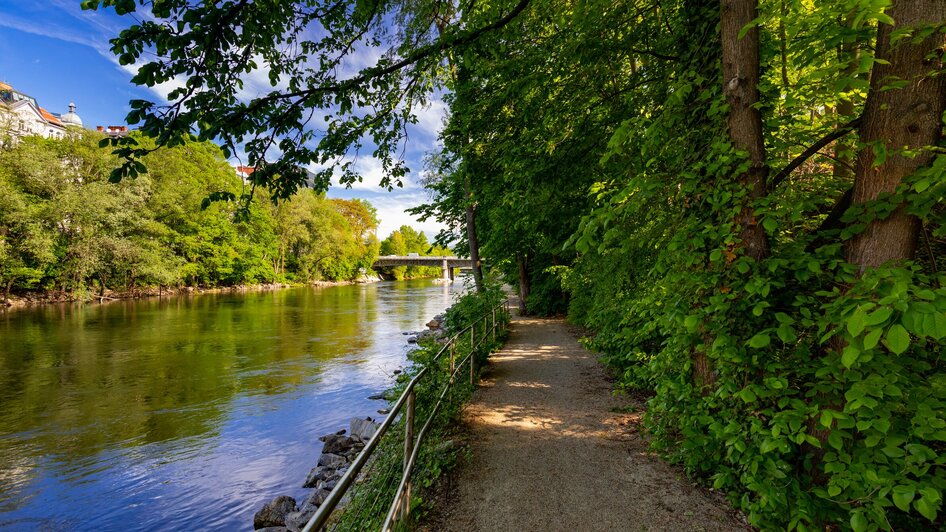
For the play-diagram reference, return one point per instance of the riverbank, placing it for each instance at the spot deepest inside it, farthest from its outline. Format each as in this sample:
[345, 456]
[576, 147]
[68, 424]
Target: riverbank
[15, 301]
[176, 413]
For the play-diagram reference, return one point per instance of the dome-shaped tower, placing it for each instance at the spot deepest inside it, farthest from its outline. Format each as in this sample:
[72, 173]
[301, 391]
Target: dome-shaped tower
[71, 118]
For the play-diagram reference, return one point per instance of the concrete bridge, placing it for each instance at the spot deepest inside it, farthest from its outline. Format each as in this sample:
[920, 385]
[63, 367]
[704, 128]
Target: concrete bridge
[447, 264]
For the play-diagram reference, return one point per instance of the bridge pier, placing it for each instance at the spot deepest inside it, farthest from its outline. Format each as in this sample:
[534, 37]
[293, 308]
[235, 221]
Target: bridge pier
[446, 271]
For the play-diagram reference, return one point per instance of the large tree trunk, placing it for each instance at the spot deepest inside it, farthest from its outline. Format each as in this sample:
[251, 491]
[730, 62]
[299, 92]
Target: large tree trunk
[741, 88]
[471, 236]
[700, 54]
[442, 20]
[908, 117]
[523, 283]
[740, 76]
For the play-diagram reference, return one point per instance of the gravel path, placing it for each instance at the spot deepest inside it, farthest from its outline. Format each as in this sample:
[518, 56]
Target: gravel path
[552, 449]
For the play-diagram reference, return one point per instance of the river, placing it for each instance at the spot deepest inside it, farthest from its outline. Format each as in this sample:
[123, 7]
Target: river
[191, 412]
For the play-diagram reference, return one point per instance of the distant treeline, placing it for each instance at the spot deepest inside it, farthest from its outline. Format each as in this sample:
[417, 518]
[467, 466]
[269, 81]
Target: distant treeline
[408, 240]
[63, 226]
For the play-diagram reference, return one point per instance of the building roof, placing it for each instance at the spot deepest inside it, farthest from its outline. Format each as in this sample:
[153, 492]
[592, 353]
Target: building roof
[5, 87]
[49, 117]
[245, 170]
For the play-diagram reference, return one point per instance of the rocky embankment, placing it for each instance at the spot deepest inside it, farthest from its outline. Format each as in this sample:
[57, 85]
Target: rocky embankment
[339, 450]
[284, 513]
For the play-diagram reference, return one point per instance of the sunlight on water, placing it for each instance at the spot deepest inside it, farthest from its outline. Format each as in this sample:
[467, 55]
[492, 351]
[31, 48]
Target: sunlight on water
[188, 412]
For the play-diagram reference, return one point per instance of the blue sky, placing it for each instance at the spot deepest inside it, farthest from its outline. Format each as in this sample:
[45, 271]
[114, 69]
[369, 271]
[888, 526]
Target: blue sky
[57, 53]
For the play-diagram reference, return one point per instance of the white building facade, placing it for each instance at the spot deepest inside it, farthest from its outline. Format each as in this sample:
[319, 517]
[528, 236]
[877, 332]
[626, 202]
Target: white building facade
[21, 116]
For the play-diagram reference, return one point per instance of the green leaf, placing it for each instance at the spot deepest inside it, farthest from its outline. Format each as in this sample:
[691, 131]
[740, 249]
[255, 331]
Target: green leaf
[760, 340]
[872, 338]
[855, 324]
[849, 356]
[858, 521]
[897, 339]
[926, 507]
[879, 316]
[903, 496]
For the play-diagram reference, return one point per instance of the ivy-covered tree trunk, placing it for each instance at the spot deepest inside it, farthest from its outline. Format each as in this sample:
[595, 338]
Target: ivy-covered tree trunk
[895, 120]
[741, 88]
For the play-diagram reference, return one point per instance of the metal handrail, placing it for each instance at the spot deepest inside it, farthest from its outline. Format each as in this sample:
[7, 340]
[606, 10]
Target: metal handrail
[324, 512]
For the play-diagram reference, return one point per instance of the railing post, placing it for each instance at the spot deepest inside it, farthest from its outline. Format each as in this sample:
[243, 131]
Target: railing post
[493, 324]
[472, 336]
[453, 360]
[408, 449]
[472, 371]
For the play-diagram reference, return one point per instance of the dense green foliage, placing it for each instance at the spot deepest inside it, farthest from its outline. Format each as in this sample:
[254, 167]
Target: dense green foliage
[744, 200]
[63, 226]
[809, 388]
[407, 240]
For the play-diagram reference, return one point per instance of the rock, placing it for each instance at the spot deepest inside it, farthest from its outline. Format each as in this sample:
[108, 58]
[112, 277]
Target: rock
[296, 521]
[336, 444]
[384, 411]
[332, 461]
[396, 372]
[327, 436]
[318, 474]
[376, 397]
[352, 453]
[362, 429]
[433, 324]
[273, 529]
[412, 340]
[274, 513]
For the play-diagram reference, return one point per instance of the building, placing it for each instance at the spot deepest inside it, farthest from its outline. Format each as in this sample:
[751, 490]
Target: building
[21, 116]
[113, 131]
[244, 171]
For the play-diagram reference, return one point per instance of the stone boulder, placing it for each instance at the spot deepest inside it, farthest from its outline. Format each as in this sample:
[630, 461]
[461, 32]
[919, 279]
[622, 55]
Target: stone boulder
[333, 461]
[319, 474]
[363, 429]
[337, 444]
[274, 513]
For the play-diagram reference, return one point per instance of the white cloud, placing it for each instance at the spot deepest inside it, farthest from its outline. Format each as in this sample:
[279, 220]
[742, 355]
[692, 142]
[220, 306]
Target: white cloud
[430, 118]
[372, 172]
[391, 213]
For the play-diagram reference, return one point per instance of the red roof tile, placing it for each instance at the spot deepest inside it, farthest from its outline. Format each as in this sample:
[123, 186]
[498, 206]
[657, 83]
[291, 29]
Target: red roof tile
[49, 117]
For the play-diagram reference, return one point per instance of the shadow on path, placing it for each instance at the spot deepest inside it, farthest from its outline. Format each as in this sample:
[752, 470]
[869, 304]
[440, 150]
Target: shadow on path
[550, 452]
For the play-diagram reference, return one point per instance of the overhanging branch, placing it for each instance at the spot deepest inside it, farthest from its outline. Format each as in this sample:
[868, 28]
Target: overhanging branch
[812, 150]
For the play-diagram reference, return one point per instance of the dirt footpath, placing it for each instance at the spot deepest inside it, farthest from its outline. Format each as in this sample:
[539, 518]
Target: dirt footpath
[552, 449]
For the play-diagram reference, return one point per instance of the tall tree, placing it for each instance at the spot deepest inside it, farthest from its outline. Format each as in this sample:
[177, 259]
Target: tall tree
[902, 120]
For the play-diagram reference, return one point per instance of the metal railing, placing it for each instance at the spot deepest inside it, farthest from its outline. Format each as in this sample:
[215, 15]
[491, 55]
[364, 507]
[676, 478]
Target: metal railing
[399, 509]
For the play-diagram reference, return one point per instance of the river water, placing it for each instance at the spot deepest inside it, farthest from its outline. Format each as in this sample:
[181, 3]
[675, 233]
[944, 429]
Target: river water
[189, 413]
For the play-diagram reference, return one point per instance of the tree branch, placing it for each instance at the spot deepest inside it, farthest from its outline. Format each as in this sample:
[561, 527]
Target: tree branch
[442, 44]
[812, 150]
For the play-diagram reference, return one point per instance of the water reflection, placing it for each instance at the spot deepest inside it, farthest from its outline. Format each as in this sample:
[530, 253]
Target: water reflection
[189, 411]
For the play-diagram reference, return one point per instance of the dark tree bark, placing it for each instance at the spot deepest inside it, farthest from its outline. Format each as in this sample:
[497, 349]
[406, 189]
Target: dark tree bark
[700, 53]
[443, 18]
[741, 88]
[471, 236]
[523, 283]
[908, 117]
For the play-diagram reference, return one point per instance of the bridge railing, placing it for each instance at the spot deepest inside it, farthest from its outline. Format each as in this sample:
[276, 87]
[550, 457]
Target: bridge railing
[385, 469]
